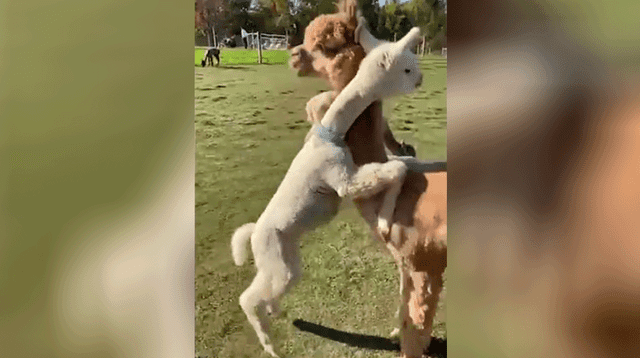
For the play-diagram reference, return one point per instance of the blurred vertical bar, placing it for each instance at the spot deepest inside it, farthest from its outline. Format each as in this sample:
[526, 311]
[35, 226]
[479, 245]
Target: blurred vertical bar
[96, 179]
[544, 185]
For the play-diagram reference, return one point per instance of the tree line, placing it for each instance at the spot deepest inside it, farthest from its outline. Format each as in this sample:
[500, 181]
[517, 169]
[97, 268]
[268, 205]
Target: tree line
[218, 19]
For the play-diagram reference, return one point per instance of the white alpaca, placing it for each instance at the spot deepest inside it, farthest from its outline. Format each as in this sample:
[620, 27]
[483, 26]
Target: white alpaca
[320, 175]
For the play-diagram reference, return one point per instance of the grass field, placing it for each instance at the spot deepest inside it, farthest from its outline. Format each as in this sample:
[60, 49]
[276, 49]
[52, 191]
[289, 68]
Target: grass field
[250, 123]
[240, 56]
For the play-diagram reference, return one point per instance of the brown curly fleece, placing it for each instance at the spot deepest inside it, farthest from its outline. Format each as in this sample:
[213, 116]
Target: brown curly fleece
[329, 49]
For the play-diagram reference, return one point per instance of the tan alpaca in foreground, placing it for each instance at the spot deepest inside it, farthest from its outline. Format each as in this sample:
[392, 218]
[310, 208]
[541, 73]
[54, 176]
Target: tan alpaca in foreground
[320, 175]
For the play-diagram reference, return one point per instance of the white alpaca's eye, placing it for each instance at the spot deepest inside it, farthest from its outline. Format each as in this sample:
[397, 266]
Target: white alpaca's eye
[407, 70]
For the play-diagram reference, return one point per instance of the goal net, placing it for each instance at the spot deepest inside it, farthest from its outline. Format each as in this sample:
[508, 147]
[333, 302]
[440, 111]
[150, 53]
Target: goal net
[268, 41]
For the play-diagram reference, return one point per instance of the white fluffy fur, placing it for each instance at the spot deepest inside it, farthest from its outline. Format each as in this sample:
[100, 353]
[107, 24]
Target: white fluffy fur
[320, 175]
[239, 243]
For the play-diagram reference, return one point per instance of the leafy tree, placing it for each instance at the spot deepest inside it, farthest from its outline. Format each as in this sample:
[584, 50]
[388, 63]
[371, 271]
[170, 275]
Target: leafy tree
[371, 12]
[238, 16]
[420, 12]
[429, 15]
[392, 17]
[211, 15]
[292, 16]
[402, 24]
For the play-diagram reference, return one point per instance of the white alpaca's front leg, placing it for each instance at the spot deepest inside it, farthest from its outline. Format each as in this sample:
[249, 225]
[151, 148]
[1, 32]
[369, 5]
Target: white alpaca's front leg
[318, 105]
[367, 180]
[372, 178]
[385, 216]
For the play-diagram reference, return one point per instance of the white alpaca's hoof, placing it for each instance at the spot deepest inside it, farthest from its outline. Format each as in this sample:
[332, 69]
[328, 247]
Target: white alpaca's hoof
[383, 227]
[269, 349]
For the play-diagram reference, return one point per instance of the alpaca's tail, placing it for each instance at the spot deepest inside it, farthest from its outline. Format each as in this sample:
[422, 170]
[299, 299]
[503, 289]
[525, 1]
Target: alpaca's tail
[239, 243]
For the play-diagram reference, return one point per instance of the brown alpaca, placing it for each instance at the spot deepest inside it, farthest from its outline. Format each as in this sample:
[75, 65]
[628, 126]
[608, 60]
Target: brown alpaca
[418, 239]
[333, 36]
[329, 51]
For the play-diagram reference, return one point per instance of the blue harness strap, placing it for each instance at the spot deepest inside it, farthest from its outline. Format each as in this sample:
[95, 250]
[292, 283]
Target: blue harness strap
[329, 136]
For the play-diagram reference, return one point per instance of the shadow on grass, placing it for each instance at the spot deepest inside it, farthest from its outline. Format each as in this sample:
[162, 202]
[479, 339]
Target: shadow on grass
[437, 348]
[232, 67]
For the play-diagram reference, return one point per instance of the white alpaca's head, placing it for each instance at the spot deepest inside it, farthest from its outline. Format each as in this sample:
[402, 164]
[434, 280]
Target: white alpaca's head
[390, 68]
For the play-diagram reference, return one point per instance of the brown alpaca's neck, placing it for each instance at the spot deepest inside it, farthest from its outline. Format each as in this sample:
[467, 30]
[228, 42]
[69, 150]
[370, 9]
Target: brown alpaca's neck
[345, 108]
[365, 138]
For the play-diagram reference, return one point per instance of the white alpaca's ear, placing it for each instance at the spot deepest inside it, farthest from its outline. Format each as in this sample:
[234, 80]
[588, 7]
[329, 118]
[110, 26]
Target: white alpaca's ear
[363, 37]
[386, 60]
[409, 40]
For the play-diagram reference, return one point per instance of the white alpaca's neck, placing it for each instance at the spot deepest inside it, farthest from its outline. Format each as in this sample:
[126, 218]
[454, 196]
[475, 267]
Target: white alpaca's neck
[347, 106]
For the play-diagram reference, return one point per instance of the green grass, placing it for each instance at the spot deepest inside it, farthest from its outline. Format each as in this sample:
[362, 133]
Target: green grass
[250, 123]
[240, 56]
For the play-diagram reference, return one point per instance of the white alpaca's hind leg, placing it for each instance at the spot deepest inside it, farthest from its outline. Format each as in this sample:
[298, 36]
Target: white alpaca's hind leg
[278, 271]
[253, 302]
[285, 278]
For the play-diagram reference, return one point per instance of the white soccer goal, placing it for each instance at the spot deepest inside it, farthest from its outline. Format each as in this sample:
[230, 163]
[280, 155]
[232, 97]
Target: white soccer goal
[269, 41]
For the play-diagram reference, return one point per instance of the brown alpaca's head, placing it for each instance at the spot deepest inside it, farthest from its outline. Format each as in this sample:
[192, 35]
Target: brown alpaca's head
[329, 39]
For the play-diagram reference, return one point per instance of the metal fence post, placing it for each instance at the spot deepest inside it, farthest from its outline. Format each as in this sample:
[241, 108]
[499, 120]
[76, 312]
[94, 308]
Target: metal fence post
[259, 49]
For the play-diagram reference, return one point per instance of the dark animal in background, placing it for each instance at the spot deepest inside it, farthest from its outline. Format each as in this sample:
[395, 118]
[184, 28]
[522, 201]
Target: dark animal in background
[229, 42]
[209, 55]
